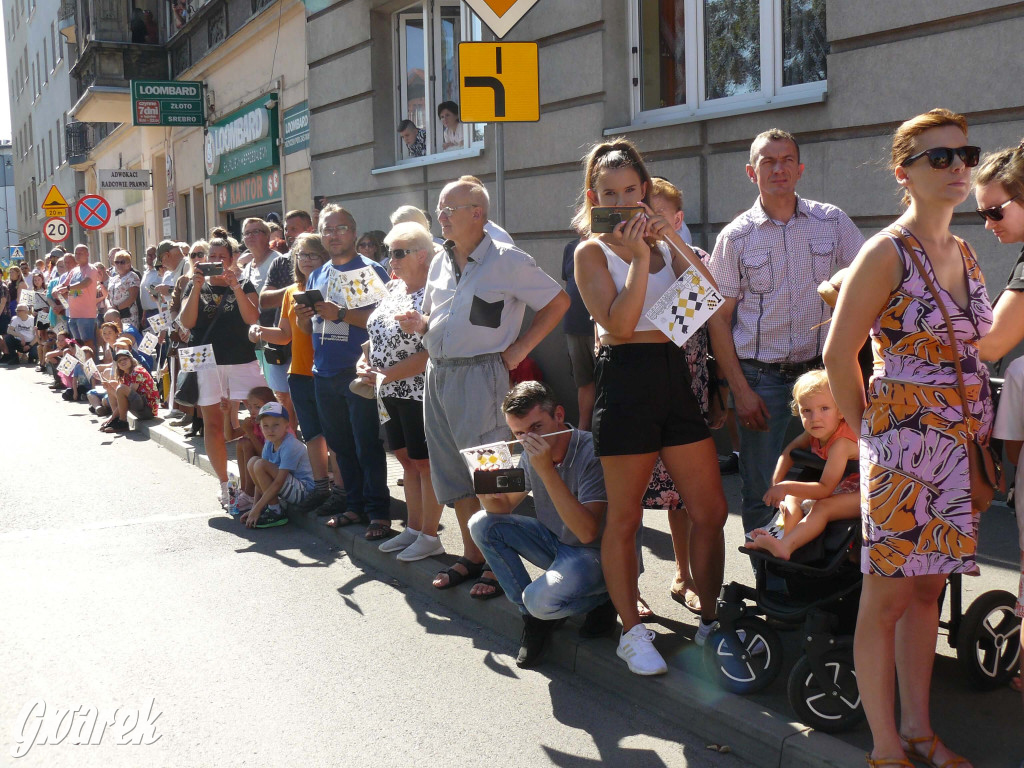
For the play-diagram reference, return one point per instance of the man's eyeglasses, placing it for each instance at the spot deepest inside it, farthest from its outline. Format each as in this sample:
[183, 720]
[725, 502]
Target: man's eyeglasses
[341, 229]
[942, 157]
[125, 261]
[401, 253]
[995, 213]
[448, 210]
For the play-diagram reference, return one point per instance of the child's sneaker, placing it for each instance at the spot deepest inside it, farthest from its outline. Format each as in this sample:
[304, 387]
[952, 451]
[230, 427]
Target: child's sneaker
[271, 518]
[704, 632]
[242, 502]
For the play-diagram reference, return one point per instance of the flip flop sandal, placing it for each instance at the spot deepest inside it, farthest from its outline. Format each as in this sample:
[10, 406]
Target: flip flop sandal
[341, 520]
[379, 532]
[643, 609]
[498, 591]
[689, 599]
[457, 577]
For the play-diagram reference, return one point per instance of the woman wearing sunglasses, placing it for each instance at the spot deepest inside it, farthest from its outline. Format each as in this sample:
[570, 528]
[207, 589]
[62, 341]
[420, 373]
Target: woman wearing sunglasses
[918, 521]
[999, 190]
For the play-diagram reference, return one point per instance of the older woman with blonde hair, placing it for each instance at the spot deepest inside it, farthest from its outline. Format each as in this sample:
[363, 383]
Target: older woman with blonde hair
[918, 291]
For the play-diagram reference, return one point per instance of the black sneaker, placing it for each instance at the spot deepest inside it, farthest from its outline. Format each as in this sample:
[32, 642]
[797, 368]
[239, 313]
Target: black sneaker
[600, 621]
[68, 395]
[332, 505]
[535, 640]
[729, 465]
[311, 502]
[271, 519]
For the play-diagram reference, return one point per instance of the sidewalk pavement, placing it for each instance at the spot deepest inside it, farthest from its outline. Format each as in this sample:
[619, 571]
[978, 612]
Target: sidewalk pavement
[761, 729]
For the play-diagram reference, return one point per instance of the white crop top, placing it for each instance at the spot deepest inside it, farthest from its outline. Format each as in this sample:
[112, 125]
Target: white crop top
[657, 282]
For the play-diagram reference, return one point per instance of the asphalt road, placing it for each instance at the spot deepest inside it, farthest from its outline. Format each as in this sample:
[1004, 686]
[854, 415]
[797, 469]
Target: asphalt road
[125, 589]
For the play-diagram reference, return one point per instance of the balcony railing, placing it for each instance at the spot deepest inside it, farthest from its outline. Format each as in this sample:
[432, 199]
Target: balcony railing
[81, 138]
[66, 22]
[114, 64]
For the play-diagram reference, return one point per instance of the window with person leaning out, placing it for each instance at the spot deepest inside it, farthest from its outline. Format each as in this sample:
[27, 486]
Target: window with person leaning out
[565, 477]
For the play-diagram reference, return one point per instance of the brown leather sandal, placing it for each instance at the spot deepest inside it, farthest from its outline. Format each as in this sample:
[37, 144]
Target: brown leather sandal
[910, 747]
[882, 762]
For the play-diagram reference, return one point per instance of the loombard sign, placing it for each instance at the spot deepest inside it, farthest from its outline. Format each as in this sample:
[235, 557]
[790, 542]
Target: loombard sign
[167, 102]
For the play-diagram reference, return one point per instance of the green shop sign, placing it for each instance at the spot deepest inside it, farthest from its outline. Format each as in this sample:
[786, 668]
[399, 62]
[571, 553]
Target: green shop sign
[259, 188]
[296, 128]
[243, 142]
[167, 102]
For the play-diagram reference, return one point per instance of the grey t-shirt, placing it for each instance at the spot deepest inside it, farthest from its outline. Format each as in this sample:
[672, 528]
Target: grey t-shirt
[582, 473]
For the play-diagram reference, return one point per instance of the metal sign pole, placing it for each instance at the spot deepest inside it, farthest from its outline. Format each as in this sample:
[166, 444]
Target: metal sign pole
[499, 172]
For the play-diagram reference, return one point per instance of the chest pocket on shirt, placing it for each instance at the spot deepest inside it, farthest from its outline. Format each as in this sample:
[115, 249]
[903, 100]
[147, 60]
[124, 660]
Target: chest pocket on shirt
[822, 259]
[757, 267]
[486, 313]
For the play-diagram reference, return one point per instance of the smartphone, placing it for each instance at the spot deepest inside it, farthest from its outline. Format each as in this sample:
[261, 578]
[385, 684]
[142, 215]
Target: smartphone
[606, 218]
[210, 268]
[499, 481]
[309, 299]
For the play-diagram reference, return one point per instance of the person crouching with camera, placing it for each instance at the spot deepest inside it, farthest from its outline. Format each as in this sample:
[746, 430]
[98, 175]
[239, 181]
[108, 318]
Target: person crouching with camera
[559, 466]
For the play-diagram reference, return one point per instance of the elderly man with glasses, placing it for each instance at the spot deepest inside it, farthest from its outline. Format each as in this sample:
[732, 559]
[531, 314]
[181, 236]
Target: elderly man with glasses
[476, 297]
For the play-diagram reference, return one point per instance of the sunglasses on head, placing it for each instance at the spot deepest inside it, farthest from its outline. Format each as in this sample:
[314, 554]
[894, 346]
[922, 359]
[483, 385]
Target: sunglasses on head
[401, 253]
[942, 157]
[995, 213]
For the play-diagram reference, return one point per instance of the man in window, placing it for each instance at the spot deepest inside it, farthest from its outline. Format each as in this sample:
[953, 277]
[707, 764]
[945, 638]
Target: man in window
[415, 138]
[768, 263]
[564, 537]
[475, 299]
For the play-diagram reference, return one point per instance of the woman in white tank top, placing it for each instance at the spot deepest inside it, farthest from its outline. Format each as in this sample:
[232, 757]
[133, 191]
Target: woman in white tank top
[645, 407]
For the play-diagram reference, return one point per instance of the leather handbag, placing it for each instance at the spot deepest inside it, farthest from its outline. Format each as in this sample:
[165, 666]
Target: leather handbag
[986, 470]
[187, 391]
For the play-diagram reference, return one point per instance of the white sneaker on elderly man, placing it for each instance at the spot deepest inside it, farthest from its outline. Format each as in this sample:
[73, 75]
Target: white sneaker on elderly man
[636, 648]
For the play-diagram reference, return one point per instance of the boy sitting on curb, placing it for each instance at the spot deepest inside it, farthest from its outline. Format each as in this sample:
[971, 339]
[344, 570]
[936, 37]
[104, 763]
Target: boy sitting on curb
[282, 475]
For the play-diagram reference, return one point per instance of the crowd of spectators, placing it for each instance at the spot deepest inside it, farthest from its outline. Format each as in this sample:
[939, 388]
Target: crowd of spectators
[332, 339]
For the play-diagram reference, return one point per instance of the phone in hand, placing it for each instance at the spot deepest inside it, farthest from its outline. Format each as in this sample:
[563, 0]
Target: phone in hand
[499, 481]
[605, 218]
[210, 268]
[309, 299]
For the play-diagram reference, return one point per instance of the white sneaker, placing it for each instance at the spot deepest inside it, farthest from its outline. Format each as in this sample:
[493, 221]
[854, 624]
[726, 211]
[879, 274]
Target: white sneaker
[225, 499]
[704, 632]
[401, 541]
[636, 648]
[424, 546]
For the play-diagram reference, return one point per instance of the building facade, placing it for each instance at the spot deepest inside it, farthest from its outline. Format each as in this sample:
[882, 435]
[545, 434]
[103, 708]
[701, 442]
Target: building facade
[9, 195]
[690, 81]
[248, 57]
[40, 96]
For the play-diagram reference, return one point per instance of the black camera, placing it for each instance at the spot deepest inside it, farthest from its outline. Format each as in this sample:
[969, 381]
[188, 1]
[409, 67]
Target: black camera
[606, 218]
[499, 481]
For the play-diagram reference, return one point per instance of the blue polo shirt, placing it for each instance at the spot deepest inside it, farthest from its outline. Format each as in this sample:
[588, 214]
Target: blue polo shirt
[336, 346]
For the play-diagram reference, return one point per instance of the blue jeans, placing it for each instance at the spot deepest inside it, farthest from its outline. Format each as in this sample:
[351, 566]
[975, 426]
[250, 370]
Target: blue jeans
[352, 430]
[572, 583]
[759, 451]
[83, 329]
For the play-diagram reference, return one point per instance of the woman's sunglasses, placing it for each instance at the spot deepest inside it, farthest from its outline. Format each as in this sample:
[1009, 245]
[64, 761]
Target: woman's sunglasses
[401, 253]
[942, 157]
[995, 213]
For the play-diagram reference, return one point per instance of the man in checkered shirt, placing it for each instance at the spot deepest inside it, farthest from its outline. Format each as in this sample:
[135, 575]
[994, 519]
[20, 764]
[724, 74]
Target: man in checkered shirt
[768, 263]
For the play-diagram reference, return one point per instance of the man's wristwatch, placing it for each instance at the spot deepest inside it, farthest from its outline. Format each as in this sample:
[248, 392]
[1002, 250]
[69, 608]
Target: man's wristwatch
[342, 311]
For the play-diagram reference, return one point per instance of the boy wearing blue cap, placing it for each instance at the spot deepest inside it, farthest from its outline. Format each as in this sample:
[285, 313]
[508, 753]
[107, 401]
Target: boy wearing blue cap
[282, 475]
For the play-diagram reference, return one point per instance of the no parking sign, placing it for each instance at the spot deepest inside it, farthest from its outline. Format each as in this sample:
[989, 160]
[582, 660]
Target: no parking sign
[92, 212]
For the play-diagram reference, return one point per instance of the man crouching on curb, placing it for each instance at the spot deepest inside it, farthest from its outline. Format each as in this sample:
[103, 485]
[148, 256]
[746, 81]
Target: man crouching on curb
[565, 538]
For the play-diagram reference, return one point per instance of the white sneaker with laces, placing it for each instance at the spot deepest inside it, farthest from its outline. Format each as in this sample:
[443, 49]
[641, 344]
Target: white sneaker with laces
[636, 648]
[401, 541]
[704, 632]
[424, 546]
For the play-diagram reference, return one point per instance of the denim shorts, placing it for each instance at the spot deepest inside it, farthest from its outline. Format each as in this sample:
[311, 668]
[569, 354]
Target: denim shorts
[277, 376]
[303, 397]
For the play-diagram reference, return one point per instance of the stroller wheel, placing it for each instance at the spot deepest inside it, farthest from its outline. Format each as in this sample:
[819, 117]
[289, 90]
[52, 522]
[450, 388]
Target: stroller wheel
[816, 705]
[988, 640]
[748, 666]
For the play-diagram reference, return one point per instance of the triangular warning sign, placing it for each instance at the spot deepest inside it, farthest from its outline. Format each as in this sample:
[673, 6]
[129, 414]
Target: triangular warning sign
[501, 15]
[54, 199]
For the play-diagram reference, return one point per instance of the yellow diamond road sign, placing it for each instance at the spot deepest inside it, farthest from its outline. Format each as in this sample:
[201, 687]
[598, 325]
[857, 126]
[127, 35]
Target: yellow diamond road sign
[499, 83]
[501, 15]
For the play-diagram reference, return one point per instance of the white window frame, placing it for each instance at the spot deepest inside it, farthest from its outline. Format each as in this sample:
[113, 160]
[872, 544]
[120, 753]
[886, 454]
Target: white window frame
[429, 12]
[773, 95]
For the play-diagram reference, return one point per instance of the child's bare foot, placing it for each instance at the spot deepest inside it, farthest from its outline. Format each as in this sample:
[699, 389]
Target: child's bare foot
[757, 532]
[770, 544]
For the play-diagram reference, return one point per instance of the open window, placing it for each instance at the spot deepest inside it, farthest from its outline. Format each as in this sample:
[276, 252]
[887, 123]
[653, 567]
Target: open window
[427, 37]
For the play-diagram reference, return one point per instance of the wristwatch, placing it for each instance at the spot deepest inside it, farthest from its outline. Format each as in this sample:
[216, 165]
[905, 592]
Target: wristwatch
[342, 311]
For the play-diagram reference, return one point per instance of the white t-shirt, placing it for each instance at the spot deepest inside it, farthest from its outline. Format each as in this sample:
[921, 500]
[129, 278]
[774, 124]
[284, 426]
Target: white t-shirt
[22, 329]
[150, 279]
[1010, 426]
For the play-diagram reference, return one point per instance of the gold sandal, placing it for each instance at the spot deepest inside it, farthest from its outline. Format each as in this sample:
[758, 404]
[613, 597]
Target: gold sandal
[910, 747]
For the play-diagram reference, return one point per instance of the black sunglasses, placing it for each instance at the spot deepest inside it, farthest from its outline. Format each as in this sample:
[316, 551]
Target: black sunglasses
[401, 253]
[942, 157]
[995, 213]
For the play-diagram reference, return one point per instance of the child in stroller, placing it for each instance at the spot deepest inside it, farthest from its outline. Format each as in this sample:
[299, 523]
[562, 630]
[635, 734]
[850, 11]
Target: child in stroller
[808, 507]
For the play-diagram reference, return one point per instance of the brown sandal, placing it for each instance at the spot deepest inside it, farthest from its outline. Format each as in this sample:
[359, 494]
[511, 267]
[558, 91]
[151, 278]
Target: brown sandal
[882, 762]
[910, 747]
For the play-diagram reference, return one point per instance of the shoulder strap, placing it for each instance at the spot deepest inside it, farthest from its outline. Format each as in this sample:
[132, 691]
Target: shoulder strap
[945, 316]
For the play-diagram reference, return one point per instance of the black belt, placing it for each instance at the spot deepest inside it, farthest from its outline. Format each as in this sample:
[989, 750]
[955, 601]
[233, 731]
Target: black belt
[789, 370]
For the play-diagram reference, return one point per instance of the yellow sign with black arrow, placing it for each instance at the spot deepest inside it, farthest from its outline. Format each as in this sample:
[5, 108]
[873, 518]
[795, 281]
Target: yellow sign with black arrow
[499, 82]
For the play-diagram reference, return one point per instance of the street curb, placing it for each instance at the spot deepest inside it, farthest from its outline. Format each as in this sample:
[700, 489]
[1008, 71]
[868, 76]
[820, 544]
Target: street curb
[763, 738]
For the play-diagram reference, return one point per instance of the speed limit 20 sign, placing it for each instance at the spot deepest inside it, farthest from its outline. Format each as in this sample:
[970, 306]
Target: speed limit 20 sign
[56, 230]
